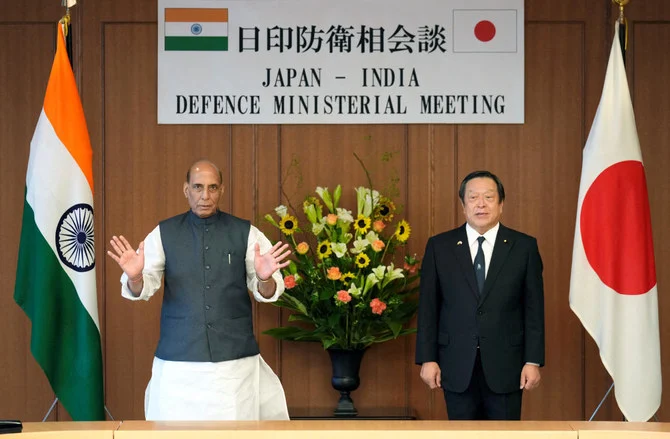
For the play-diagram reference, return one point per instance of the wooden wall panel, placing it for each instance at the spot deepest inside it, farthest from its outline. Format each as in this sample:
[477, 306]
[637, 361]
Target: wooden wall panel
[431, 176]
[539, 163]
[26, 391]
[652, 113]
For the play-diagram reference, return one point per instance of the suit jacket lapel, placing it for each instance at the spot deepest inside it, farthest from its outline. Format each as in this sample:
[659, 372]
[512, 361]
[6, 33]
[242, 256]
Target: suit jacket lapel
[462, 250]
[501, 249]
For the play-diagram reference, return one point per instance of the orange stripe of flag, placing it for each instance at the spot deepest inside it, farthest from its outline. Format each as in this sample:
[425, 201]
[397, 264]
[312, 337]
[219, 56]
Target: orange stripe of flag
[196, 15]
[63, 109]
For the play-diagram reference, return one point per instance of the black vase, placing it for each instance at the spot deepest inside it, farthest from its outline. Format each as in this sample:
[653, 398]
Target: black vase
[346, 364]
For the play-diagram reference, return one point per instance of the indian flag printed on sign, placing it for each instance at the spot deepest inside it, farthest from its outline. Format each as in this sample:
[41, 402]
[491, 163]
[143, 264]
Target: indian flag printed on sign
[196, 29]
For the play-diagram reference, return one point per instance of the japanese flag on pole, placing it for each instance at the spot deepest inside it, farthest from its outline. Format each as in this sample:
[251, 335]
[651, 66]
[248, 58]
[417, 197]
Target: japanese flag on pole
[613, 281]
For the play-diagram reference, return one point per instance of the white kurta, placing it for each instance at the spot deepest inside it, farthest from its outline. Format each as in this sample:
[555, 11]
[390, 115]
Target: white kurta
[243, 389]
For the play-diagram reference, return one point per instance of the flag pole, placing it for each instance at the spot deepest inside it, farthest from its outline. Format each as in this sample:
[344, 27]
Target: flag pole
[50, 410]
[593, 415]
[65, 22]
[623, 42]
[67, 30]
[623, 28]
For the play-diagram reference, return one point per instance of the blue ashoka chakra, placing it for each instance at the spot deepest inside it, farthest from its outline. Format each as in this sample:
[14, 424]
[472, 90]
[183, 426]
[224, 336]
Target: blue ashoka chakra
[74, 238]
[196, 29]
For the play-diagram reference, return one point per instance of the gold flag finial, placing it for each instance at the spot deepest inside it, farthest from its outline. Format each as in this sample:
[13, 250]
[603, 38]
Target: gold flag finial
[622, 20]
[65, 22]
[621, 4]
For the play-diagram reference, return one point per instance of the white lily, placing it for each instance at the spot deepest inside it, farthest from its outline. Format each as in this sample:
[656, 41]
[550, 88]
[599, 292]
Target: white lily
[370, 282]
[379, 271]
[359, 245]
[281, 211]
[372, 237]
[317, 228]
[339, 248]
[344, 215]
[310, 211]
[320, 190]
[392, 274]
[366, 200]
[354, 290]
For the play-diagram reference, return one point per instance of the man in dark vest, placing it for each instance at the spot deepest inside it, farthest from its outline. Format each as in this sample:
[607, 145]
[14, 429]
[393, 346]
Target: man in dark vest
[207, 364]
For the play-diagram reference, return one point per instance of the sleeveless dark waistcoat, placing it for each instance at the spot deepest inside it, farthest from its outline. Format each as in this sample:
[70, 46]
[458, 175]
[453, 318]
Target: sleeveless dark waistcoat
[206, 313]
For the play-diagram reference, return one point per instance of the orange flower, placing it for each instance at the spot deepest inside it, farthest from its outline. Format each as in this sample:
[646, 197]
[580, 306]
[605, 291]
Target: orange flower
[334, 273]
[377, 306]
[289, 281]
[331, 219]
[378, 245]
[378, 226]
[302, 248]
[410, 268]
[344, 296]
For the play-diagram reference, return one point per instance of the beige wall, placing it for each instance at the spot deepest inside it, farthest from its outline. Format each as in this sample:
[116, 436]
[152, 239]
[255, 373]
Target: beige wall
[139, 167]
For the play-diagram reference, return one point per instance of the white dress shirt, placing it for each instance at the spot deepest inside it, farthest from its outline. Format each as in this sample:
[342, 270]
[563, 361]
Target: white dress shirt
[487, 245]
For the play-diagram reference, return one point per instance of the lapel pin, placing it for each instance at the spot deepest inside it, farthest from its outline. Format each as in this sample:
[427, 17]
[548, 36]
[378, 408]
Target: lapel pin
[459, 243]
[505, 241]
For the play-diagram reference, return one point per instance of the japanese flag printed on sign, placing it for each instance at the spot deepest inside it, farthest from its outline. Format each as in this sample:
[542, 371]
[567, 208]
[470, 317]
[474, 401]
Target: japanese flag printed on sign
[485, 30]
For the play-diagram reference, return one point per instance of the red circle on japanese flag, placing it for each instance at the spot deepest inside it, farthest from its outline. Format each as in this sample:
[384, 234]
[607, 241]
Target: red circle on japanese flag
[485, 31]
[615, 224]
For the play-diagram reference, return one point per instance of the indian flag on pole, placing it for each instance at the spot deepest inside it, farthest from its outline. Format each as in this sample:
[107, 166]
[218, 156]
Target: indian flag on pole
[197, 29]
[55, 276]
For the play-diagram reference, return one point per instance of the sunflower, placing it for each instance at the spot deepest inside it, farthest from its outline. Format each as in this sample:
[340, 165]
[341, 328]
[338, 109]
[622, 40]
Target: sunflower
[385, 210]
[402, 231]
[288, 224]
[346, 277]
[362, 260]
[362, 224]
[323, 250]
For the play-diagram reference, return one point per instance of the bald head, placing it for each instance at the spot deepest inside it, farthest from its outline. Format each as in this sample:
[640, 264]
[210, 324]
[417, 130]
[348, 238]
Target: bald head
[199, 165]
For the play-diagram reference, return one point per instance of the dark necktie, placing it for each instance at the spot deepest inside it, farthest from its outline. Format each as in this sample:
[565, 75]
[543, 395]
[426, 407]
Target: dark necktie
[480, 269]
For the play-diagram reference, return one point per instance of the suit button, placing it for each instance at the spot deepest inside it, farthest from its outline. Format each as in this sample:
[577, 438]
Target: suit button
[207, 307]
[207, 287]
[479, 313]
[209, 326]
[207, 267]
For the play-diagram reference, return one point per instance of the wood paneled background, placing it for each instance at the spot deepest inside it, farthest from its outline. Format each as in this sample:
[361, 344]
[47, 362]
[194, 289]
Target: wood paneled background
[139, 169]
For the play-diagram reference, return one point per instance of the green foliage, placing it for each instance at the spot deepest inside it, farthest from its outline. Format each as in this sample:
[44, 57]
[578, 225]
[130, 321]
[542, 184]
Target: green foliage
[343, 286]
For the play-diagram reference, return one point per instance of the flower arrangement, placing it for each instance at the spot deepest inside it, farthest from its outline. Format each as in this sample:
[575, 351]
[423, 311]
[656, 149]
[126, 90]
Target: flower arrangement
[343, 281]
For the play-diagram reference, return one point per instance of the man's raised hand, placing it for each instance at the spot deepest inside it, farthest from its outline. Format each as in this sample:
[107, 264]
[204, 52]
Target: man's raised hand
[130, 261]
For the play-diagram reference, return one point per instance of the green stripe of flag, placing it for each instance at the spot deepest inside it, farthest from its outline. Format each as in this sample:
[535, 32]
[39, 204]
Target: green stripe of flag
[196, 43]
[64, 339]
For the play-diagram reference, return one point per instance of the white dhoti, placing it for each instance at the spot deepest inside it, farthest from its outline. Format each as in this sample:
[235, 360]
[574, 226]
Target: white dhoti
[244, 389]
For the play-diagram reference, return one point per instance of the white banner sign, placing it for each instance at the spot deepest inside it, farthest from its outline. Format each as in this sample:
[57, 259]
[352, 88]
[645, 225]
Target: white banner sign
[344, 61]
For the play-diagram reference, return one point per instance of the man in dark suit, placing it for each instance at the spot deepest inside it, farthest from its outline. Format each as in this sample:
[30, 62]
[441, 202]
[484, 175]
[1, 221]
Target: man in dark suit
[481, 309]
